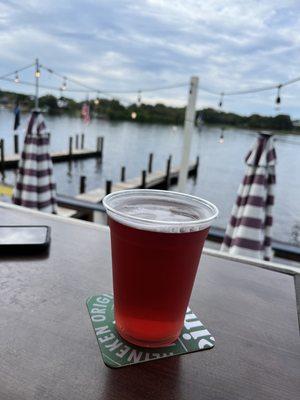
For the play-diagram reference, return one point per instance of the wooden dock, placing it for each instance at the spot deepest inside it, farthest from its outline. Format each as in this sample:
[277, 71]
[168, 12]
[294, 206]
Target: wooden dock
[12, 161]
[155, 180]
[85, 205]
[73, 153]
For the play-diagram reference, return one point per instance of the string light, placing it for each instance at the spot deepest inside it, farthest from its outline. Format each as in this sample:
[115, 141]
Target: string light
[278, 98]
[133, 115]
[221, 100]
[139, 98]
[64, 84]
[96, 101]
[16, 79]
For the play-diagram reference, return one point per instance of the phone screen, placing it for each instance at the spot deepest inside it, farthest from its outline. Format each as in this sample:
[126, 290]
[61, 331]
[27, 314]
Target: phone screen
[27, 235]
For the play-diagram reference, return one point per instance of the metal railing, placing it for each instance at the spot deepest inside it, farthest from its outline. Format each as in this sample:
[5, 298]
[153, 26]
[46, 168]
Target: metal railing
[281, 249]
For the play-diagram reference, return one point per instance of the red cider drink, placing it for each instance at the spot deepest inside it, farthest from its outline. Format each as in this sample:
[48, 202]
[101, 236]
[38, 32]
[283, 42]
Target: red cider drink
[157, 239]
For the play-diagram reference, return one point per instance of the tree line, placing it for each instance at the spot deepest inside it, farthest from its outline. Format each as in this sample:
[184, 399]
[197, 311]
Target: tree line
[145, 113]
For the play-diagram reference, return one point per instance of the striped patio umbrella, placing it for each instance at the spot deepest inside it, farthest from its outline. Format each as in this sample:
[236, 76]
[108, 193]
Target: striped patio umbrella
[35, 187]
[248, 232]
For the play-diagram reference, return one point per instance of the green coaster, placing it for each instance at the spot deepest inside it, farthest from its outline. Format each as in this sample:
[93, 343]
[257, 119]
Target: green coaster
[116, 352]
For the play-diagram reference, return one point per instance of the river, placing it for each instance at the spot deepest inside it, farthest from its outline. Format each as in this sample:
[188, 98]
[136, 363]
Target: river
[221, 165]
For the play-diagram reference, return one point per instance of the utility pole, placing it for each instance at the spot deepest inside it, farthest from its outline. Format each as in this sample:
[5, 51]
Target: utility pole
[37, 77]
[188, 132]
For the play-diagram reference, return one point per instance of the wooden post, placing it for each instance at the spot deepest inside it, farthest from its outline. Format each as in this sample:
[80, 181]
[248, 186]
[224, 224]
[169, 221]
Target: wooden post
[123, 174]
[70, 146]
[77, 142]
[108, 187]
[168, 171]
[82, 185]
[2, 158]
[100, 145]
[16, 143]
[188, 131]
[150, 161]
[82, 141]
[197, 166]
[143, 183]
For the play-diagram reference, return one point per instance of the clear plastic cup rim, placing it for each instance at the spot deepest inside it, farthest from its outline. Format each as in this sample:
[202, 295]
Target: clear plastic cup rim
[165, 193]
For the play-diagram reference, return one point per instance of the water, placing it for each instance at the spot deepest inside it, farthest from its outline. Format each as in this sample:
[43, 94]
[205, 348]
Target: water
[221, 165]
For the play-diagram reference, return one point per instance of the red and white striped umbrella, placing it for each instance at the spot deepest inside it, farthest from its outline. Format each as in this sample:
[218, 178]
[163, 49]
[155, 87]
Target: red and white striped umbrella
[248, 232]
[35, 187]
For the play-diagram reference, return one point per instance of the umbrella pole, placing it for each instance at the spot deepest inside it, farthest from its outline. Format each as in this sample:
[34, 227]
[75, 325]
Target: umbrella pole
[188, 131]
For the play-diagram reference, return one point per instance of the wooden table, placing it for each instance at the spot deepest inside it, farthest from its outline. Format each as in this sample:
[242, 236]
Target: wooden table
[49, 351]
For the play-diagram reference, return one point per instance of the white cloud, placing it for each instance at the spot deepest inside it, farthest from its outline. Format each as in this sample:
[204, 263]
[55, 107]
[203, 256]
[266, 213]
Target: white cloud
[232, 44]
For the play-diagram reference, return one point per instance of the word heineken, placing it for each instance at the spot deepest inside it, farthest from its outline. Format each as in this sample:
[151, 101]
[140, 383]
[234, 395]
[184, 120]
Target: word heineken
[116, 352]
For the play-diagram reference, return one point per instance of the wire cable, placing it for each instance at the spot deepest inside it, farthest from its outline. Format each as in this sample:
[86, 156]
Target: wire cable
[154, 89]
[17, 70]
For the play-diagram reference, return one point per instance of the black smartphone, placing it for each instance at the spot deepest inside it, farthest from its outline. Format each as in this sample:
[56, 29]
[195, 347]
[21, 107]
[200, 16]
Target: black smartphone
[17, 239]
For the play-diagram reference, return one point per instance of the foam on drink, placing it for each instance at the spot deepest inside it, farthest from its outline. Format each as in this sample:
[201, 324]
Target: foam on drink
[160, 211]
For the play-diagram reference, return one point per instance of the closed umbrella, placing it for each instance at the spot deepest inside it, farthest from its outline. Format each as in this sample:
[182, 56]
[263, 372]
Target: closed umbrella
[248, 232]
[35, 187]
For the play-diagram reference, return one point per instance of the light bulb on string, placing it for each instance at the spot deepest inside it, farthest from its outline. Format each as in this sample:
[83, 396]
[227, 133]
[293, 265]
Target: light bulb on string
[133, 115]
[96, 101]
[221, 100]
[37, 73]
[64, 84]
[17, 79]
[278, 98]
[139, 98]
[221, 138]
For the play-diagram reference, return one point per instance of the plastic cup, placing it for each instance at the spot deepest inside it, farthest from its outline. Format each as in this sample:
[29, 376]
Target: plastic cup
[156, 239]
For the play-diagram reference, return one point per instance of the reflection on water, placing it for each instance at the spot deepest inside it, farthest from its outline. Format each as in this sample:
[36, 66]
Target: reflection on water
[220, 172]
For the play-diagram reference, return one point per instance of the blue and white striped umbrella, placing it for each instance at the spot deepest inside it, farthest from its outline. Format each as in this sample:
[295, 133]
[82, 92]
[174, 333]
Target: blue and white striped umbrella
[248, 232]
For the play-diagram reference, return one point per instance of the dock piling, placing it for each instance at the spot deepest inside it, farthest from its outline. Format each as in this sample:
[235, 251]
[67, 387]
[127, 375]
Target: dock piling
[123, 174]
[2, 160]
[16, 143]
[77, 142]
[108, 187]
[100, 145]
[82, 186]
[197, 166]
[70, 146]
[150, 162]
[168, 171]
[82, 141]
[143, 182]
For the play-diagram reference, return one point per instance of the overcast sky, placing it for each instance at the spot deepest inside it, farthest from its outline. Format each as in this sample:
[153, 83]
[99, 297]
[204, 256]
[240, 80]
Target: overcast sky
[120, 44]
